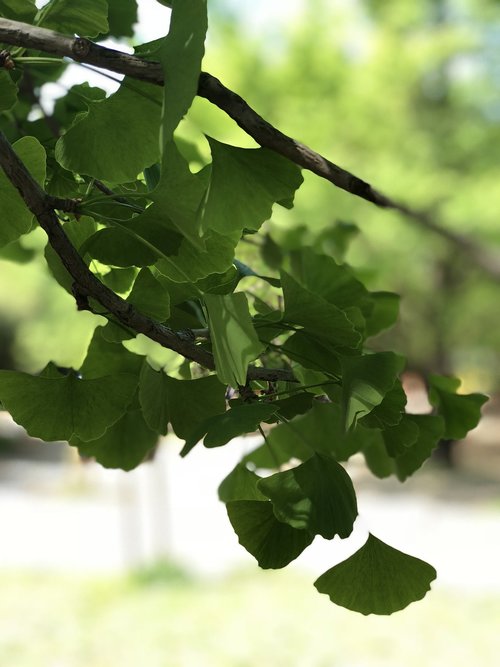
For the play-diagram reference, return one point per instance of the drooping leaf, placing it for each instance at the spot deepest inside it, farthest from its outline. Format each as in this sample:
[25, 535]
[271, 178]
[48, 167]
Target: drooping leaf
[377, 579]
[240, 484]
[244, 185]
[119, 133]
[149, 296]
[220, 429]
[366, 380]
[431, 430]
[124, 445]
[183, 403]
[116, 246]
[317, 496]
[317, 315]
[8, 91]
[234, 340]
[180, 55]
[461, 412]
[16, 218]
[58, 409]
[399, 437]
[389, 411]
[87, 18]
[274, 544]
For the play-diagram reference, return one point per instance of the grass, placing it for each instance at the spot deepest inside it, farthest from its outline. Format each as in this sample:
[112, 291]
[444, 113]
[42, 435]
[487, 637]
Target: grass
[162, 617]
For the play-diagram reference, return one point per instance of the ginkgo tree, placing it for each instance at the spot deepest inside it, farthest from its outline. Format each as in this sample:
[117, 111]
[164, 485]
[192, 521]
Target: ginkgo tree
[156, 240]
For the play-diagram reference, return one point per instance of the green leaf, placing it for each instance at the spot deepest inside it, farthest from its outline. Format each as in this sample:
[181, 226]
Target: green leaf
[377, 579]
[190, 264]
[125, 445]
[399, 437]
[384, 314]
[8, 91]
[18, 10]
[220, 429]
[149, 296]
[59, 409]
[240, 484]
[184, 403]
[78, 231]
[366, 380]
[389, 411]
[117, 137]
[244, 185]
[334, 282]
[122, 15]
[87, 18]
[234, 341]
[317, 496]
[321, 430]
[180, 55]
[16, 218]
[106, 358]
[274, 544]
[318, 316]
[431, 430]
[461, 412]
[118, 247]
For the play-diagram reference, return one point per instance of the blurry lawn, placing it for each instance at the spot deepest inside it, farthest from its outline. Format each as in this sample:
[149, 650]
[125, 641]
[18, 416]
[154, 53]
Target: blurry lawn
[252, 619]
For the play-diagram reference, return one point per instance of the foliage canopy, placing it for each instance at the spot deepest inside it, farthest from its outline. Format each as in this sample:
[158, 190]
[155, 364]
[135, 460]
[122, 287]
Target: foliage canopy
[149, 239]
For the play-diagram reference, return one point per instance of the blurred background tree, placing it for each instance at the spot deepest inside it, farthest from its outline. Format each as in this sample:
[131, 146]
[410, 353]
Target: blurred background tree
[404, 95]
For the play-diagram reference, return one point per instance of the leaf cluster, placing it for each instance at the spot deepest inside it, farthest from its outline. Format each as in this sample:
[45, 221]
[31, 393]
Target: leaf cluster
[288, 334]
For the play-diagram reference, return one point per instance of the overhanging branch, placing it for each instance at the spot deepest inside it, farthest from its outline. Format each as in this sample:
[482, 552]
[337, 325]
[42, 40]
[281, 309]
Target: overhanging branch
[265, 134]
[86, 285]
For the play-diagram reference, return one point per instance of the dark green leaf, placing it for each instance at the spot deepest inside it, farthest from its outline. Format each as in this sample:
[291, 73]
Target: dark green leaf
[183, 403]
[377, 579]
[384, 314]
[366, 380]
[118, 247]
[274, 544]
[149, 296]
[461, 412]
[122, 15]
[315, 314]
[16, 218]
[19, 10]
[8, 91]
[317, 496]
[59, 409]
[222, 428]
[87, 18]
[106, 358]
[124, 445]
[240, 484]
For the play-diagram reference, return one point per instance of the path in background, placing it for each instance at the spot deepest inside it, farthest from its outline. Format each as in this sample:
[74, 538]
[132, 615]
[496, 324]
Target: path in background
[80, 517]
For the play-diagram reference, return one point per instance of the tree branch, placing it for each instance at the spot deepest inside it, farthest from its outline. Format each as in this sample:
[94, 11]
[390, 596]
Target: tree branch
[265, 134]
[86, 285]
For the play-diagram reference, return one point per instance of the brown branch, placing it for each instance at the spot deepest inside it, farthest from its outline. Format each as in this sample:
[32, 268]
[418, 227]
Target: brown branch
[86, 285]
[265, 134]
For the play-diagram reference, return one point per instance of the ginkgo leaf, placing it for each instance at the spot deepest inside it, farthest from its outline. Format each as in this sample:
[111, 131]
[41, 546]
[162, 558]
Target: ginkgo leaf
[461, 412]
[274, 544]
[88, 18]
[377, 579]
[58, 409]
[234, 340]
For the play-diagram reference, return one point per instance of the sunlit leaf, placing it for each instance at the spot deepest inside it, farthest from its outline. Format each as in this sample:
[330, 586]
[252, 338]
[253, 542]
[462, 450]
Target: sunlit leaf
[234, 340]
